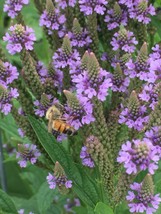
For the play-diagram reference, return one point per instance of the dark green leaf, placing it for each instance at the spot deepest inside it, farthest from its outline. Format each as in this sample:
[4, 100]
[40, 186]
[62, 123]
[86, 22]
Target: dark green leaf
[83, 185]
[6, 204]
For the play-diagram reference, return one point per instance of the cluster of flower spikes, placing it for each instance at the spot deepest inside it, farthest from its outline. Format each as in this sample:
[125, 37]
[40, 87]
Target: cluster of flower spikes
[134, 115]
[52, 19]
[139, 10]
[59, 179]
[13, 7]
[8, 74]
[141, 197]
[93, 81]
[27, 153]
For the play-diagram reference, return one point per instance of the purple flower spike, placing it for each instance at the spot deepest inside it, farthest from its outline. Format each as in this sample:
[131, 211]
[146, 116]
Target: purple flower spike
[20, 37]
[53, 21]
[141, 11]
[27, 152]
[86, 158]
[89, 6]
[124, 40]
[60, 60]
[154, 135]
[86, 88]
[59, 181]
[82, 40]
[114, 20]
[41, 108]
[8, 73]
[140, 201]
[134, 121]
[139, 155]
[13, 7]
[6, 96]
[83, 115]
[66, 3]
[150, 95]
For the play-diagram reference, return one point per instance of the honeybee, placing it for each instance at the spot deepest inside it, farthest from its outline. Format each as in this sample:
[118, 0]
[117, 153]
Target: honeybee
[56, 122]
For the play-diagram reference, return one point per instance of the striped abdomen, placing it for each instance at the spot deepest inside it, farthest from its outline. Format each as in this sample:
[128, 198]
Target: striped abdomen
[62, 127]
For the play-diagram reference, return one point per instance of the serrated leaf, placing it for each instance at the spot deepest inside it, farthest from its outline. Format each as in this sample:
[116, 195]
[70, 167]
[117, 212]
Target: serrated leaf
[6, 204]
[83, 186]
[102, 208]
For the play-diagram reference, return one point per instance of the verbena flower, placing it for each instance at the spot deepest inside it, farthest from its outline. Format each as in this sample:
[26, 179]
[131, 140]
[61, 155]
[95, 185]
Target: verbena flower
[86, 158]
[79, 117]
[135, 69]
[19, 38]
[154, 70]
[13, 7]
[22, 211]
[21, 132]
[54, 181]
[120, 82]
[81, 40]
[42, 71]
[134, 120]
[156, 54]
[8, 72]
[89, 6]
[27, 153]
[66, 3]
[61, 60]
[70, 203]
[53, 21]
[154, 135]
[6, 95]
[142, 199]
[140, 11]
[150, 95]
[43, 104]
[138, 155]
[87, 88]
[124, 40]
[58, 178]
[116, 17]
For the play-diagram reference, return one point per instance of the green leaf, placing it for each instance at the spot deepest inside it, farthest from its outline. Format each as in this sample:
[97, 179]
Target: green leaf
[80, 210]
[83, 185]
[6, 204]
[102, 208]
[45, 197]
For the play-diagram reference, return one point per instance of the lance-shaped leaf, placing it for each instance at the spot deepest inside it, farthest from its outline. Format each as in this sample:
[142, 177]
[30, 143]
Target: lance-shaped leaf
[83, 185]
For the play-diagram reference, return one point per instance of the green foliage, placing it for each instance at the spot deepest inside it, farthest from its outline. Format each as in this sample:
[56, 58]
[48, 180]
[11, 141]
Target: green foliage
[83, 186]
[102, 208]
[6, 204]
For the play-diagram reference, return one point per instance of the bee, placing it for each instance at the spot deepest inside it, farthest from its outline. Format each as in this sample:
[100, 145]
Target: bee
[56, 122]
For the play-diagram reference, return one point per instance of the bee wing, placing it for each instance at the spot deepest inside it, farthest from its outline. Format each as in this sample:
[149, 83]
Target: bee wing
[60, 107]
[50, 123]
